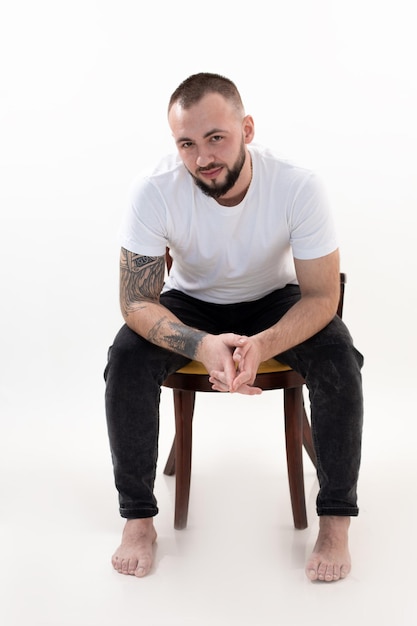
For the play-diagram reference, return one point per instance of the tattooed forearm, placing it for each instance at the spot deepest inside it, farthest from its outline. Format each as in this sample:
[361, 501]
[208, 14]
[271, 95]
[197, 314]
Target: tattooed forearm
[182, 339]
[141, 279]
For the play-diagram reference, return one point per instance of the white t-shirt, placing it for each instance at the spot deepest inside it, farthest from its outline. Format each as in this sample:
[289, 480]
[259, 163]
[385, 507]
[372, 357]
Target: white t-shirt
[230, 254]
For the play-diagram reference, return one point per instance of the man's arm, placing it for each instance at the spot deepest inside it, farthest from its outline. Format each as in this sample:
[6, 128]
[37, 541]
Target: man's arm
[141, 282]
[319, 281]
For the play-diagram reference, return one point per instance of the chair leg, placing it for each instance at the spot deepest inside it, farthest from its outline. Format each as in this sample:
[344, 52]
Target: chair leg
[293, 410]
[184, 408]
[169, 468]
[308, 439]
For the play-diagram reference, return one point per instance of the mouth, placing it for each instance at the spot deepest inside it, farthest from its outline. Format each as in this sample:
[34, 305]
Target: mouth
[211, 173]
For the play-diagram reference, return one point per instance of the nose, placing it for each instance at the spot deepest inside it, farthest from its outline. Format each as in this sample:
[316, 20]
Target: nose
[204, 158]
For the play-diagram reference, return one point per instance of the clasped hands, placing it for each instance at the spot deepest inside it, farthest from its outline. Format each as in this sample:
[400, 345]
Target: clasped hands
[232, 362]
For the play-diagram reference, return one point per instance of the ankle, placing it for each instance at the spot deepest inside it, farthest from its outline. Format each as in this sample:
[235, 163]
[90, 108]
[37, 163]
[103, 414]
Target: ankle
[139, 526]
[334, 521]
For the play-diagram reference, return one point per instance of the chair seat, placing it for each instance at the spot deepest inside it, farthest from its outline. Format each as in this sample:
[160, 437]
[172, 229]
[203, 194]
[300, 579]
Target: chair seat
[266, 367]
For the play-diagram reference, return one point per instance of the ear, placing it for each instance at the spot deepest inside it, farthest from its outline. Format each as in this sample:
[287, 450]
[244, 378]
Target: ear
[248, 128]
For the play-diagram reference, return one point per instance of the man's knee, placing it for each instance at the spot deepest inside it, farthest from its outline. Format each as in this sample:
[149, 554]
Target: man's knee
[133, 355]
[125, 354]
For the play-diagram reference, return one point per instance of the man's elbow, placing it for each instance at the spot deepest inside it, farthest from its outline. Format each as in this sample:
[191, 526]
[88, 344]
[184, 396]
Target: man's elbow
[130, 310]
[333, 304]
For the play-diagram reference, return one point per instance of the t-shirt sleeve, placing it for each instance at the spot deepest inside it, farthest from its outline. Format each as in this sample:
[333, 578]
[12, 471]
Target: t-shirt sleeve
[312, 229]
[143, 229]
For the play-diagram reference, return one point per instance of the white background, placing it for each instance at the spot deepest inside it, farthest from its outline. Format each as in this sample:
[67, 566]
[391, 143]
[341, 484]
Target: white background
[84, 87]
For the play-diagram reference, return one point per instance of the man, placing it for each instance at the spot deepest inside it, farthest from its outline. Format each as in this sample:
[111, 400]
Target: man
[255, 275]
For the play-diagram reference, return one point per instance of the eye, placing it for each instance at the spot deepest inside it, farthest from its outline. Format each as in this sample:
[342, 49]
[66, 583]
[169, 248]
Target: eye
[216, 138]
[186, 144]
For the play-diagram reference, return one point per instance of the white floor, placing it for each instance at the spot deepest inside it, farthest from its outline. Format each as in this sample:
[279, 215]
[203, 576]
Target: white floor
[240, 562]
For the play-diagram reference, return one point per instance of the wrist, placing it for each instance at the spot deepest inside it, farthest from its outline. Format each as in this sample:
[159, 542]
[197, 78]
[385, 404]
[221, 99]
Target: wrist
[201, 346]
[265, 343]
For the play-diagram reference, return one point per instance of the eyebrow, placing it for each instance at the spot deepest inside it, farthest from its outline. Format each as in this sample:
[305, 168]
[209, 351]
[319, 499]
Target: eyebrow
[214, 131]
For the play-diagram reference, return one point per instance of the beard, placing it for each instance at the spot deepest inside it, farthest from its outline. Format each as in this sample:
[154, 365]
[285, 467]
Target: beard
[217, 190]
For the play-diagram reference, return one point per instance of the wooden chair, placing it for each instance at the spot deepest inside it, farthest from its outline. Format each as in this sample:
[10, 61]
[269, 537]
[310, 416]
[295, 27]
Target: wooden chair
[186, 381]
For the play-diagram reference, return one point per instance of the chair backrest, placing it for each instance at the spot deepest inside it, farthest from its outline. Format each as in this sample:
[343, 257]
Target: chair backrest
[168, 259]
[343, 281]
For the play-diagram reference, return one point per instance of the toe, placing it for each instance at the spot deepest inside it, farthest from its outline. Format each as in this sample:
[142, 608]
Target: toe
[116, 563]
[311, 570]
[132, 566]
[312, 573]
[322, 571]
[143, 567]
[140, 571]
[329, 577]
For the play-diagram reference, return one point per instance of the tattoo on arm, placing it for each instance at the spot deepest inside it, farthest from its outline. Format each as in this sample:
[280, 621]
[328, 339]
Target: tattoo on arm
[141, 280]
[182, 339]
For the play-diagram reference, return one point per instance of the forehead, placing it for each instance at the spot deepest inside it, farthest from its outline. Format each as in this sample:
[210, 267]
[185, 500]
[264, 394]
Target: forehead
[211, 112]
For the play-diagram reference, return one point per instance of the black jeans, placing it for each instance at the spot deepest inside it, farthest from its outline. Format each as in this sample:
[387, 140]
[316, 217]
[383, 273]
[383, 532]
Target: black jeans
[328, 361]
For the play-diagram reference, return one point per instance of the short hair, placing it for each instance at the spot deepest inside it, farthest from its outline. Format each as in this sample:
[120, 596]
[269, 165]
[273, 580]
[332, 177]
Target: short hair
[195, 87]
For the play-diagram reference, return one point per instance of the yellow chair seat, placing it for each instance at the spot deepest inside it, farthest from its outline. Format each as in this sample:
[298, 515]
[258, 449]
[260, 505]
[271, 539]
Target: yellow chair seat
[271, 365]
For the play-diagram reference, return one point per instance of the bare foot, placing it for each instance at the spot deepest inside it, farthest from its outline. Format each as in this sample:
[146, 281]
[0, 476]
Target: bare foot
[330, 559]
[135, 554]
